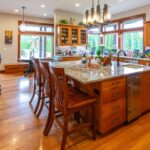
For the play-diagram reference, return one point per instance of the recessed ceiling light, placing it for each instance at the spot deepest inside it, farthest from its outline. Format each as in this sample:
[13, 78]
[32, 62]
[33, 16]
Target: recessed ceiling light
[43, 6]
[16, 10]
[120, 0]
[77, 4]
[45, 14]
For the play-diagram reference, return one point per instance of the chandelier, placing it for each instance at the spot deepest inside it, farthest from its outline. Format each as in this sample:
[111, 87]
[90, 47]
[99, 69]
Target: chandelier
[97, 16]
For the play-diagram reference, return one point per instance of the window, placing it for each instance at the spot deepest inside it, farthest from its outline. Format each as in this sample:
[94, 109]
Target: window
[133, 41]
[111, 41]
[36, 41]
[111, 27]
[93, 42]
[93, 39]
[38, 46]
[125, 33]
[133, 23]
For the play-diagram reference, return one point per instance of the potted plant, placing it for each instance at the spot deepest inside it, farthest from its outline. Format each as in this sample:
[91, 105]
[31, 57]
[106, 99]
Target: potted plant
[63, 21]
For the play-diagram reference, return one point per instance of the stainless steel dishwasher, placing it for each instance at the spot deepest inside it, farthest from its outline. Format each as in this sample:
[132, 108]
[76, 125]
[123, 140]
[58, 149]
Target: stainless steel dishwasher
[133, 97]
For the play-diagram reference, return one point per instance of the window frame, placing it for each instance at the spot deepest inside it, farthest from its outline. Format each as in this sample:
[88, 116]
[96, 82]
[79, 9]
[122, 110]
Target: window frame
[32, 33]
[121, 31]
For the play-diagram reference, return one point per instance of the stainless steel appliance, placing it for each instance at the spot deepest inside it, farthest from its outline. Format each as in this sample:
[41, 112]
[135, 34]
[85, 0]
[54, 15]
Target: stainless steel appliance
[133, 97]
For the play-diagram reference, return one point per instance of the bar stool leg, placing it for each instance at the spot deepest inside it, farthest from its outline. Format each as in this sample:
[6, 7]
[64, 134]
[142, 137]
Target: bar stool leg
[41, 106]
[38, 102]
[34, 90]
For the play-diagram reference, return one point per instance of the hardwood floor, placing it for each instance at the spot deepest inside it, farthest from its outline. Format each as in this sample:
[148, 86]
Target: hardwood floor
[21, 130]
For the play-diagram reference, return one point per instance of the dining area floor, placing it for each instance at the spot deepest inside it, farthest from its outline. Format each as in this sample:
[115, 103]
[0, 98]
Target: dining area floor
[20, 129]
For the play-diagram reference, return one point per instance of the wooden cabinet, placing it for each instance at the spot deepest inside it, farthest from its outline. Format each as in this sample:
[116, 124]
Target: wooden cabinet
[71, 35]
[147, 34]
[64, 36]
[112, 106]
[83, 36]
[145, 91]
[144, 62]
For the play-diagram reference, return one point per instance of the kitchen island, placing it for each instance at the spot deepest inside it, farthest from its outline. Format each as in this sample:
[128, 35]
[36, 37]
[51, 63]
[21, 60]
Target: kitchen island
[116, 99]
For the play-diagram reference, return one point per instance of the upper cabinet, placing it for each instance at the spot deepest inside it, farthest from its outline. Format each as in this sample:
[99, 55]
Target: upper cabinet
[147, 34]
[83, 36]
[71, 35]
[64, 38]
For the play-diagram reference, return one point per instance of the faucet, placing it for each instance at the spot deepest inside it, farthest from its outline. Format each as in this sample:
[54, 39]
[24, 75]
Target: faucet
[118, 54]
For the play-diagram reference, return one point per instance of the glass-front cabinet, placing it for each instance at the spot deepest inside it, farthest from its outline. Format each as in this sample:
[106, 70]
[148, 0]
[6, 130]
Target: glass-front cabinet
[64, 36]
[83, 36]
[68, 35]
[75, 36]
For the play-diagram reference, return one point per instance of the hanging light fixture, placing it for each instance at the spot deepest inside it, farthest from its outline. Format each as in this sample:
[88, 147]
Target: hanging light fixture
[97, 16]
[22, 26]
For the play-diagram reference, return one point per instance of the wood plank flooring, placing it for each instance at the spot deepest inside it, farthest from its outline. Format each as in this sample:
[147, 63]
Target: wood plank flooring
[21, 130]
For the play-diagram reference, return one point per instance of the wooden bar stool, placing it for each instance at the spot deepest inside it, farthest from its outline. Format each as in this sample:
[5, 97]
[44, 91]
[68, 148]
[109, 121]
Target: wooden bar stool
[38, 85]
[67, 102]
[45, 81]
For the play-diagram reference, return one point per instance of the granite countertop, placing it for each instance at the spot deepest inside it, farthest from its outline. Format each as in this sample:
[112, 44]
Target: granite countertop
[133, 58]
[75, 70]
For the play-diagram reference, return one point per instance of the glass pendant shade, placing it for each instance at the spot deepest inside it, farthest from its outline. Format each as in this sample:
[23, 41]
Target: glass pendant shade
[22, 26]
[98, 13]
[97, 16]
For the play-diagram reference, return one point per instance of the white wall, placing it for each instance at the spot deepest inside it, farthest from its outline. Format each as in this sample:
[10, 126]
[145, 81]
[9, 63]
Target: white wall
[59, 14]
[141, 10]
[9, 52]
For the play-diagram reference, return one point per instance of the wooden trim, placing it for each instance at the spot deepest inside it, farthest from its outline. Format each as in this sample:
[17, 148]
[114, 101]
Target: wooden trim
[124, 30]
[121, 31]
[36, 23]
[37, 33]
[130, 18]
[69, 25]
[32, 33]
[18, 45]
[2, 71]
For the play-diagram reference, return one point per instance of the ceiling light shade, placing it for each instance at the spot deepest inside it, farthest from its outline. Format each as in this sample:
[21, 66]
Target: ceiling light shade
[106, 13]
[98, 12]
[97, 16]
[22, 26]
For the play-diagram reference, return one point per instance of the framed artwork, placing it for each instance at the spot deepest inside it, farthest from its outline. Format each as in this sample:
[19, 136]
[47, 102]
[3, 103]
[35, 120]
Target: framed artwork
[8, 36]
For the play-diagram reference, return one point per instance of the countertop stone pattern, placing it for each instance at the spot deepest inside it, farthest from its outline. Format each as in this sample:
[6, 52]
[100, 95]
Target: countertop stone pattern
[75, 70]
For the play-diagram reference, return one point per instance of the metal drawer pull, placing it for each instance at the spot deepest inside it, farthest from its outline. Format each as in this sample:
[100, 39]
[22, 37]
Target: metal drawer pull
[115, 94]
[115, 120]
[115, 109]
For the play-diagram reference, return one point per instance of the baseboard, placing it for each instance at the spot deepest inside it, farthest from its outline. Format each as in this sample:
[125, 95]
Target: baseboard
[2, 71]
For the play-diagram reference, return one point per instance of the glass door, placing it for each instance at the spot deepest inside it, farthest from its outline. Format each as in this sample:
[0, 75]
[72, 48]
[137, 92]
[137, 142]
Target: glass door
[64, 35]
[83, 36]
[75, 36]
[38, 46]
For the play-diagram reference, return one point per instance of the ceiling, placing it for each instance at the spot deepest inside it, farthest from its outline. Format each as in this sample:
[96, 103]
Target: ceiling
[33, 7]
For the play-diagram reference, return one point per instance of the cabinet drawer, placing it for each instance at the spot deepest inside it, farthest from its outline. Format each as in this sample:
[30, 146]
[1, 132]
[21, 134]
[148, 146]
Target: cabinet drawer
[112, 121]
[112, 95]
[112, 84]
[113, 108]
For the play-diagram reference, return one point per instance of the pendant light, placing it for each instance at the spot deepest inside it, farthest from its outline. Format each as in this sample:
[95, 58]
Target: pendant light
[22, 26]
[97, 16]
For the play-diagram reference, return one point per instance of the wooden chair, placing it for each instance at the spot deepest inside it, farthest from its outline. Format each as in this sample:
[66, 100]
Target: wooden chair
[45, 81]
[37, 84]
[69, 101]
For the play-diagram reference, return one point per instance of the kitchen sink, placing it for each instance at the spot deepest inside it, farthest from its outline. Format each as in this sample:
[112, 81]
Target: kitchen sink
[133, 66]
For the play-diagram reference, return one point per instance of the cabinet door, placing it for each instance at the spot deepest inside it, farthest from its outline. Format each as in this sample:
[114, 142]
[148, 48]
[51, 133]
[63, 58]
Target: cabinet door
[74, 36]
[147, 34]
[145, 90]
[65, 36]
[83, 36]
